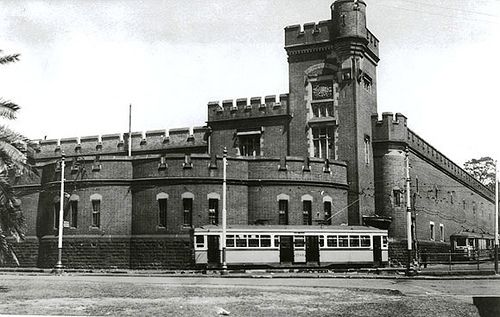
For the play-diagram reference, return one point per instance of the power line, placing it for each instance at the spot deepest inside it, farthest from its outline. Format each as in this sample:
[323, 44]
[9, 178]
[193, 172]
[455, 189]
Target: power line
[436, 14]
[449, 8]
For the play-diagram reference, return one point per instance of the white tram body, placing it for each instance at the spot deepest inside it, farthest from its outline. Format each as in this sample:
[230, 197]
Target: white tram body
[282, 246]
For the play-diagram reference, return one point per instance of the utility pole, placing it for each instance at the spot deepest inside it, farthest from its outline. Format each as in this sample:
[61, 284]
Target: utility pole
[58, 269]
[496, 217]
[224, 189]
[408, 212]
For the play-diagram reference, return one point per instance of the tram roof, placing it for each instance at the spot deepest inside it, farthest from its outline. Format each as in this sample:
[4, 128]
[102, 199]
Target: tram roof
[466, 234]
[288, 228]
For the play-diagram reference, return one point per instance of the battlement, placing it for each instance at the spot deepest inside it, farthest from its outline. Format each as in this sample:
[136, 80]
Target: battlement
[309, 33]
[373, 42]
[431, 153]
[157, 140]
[390, 127]
[242, 108]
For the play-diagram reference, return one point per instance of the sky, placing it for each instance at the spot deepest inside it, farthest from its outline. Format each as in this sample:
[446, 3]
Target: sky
[83, 62]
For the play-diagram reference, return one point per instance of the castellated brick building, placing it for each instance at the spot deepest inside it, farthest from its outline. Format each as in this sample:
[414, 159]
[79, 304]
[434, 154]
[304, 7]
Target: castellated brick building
[318, 154]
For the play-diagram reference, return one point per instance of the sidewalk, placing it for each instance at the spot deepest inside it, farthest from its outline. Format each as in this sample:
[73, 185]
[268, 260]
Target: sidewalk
[435, 272]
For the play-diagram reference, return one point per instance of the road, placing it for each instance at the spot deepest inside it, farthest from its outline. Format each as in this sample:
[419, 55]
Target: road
[251, 296]
[464, 289]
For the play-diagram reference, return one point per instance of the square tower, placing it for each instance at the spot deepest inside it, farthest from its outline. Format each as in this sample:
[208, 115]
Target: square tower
[332, 82]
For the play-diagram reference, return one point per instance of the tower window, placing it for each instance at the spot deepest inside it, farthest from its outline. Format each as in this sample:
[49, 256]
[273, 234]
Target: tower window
[397, 197]
[323, 142]
[322, 109]
[367, 149]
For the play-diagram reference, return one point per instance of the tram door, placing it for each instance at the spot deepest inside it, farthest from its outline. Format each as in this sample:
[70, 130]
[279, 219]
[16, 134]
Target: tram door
[312, 249]
[286, 249]
[213, 254]
[377, 250]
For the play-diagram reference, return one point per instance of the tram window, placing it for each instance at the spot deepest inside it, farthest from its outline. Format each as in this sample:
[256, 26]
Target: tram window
[365, 241]
[299, 242]
[200, 241]
[331, 241]
[230, 241]
[276, 241]
[384, 241]
[253, 241]
[354, 241]
[461, 242]
[265, 241]
[471, 242]
[321, 241]
[343, 242]
[241, 241]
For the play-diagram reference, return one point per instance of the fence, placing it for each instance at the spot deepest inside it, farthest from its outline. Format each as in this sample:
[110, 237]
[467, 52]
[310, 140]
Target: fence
[474, 260]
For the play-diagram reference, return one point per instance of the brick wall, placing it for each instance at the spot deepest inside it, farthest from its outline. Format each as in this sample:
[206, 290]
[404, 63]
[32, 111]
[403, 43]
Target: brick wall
[162, 251]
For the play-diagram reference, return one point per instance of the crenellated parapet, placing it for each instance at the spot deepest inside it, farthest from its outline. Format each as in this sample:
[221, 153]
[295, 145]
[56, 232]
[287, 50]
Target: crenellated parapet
[416, 143]
[390, 127]
[190, 139]
[394, 129]
[309, 33]
[242, 108]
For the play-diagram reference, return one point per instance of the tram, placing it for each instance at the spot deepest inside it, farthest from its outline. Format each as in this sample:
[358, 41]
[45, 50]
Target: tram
[469, 245]
[291, 246]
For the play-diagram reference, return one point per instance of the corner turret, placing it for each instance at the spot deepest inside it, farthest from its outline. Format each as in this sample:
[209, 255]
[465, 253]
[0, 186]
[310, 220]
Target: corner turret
[349, 19]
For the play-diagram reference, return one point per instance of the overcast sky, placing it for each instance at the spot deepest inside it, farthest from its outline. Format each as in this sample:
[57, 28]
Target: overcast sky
[83, 62]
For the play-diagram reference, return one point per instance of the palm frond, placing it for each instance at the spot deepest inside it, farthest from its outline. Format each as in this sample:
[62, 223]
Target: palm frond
[8, 109]
[9, 58]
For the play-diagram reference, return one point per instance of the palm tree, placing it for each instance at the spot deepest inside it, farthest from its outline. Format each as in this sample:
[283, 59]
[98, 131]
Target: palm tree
[15, 151]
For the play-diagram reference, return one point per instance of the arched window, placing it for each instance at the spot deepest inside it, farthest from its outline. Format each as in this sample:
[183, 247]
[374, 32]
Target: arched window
[213, 208]
[96, 210]
[327, 210]
[73, 206]
[187, 204]
[307, 209]
[283, 209]
[162, 199]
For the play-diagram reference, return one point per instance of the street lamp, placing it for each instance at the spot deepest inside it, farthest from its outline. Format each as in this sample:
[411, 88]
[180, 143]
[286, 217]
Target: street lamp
[58, 269]
[224, 189]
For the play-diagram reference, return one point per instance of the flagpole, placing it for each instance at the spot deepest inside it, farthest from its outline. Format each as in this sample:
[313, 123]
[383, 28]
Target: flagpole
[130, 130]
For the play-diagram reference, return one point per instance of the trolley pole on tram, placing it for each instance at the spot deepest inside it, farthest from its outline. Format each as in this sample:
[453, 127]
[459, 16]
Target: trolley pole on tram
[58, 268]
[408, 212]
[224, 216]
[496, 217]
